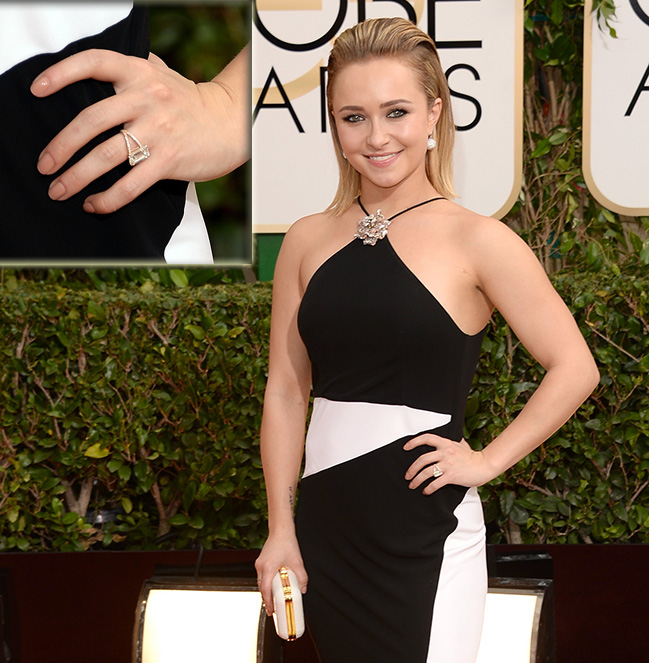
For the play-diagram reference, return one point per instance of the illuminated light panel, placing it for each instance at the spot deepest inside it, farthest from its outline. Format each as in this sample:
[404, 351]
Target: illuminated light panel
[510, 626]
[201, 626]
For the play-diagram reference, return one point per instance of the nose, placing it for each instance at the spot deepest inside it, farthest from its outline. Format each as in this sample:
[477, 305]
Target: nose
[378, 136]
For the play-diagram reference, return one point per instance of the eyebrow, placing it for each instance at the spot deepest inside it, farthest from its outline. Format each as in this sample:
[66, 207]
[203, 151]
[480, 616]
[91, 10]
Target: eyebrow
[386, 104]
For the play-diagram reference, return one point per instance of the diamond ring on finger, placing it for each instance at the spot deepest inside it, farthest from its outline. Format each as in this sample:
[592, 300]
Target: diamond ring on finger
[135, 154]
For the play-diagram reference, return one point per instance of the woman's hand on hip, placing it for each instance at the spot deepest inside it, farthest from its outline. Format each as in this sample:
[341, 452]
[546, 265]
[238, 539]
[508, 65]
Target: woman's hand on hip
[193, 131]
[448, 462]
[278, 551]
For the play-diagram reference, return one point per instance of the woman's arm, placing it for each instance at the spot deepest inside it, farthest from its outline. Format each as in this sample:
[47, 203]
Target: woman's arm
[513, 280]
[282, 431]
[194, 132]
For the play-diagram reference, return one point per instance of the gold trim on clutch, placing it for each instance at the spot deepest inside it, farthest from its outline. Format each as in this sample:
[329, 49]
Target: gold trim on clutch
[288, 603]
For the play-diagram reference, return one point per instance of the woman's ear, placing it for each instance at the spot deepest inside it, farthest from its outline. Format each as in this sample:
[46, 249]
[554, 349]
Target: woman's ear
[434, 114]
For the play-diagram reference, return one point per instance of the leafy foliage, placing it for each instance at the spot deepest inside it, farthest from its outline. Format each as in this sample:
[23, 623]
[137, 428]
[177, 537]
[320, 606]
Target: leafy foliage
[130, 400]
[589, 482]
[104, 278]
[562, 222]
[140, 406]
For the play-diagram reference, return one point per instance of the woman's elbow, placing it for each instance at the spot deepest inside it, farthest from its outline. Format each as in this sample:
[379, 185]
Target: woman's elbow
[590, 374]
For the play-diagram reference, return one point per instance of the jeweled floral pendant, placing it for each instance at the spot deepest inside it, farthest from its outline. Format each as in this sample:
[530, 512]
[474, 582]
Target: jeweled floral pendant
[372, 228]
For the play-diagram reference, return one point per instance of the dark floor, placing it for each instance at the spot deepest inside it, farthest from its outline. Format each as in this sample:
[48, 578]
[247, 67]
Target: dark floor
[80, 607]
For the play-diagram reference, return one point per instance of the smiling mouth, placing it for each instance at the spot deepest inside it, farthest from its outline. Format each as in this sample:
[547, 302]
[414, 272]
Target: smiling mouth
[381, 157]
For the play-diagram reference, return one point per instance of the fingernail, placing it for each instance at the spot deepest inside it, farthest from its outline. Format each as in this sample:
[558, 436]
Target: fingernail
[57, 190]
[45, 163]
[40, 86]
[89, 207]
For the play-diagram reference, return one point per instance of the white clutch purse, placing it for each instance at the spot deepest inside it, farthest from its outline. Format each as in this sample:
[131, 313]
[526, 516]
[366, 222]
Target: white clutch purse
[289, 614]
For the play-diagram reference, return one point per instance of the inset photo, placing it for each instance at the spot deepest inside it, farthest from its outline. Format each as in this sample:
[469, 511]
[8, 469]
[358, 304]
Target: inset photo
[126, 134]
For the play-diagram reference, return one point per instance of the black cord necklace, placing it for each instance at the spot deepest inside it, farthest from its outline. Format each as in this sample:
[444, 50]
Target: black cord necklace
[375, 226]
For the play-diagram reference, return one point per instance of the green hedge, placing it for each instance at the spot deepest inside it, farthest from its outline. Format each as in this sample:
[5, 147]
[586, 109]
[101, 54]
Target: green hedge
[589, 482]
[146, 401]
[144, 404]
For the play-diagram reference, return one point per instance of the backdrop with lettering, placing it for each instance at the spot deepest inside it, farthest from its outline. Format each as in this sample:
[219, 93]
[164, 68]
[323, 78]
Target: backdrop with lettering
[616, 109]
[481, 48]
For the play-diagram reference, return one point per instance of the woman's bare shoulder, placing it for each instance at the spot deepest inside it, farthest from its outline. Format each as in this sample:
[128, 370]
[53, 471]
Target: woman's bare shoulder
[307, 230]
[468, 220]
[482, 232]
[300, 240]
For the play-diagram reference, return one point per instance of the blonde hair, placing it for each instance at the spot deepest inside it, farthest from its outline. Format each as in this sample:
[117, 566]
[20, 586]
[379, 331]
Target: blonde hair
[398, 38]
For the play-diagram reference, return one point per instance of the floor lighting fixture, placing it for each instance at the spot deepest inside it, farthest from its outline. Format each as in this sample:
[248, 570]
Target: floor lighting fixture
[519, 622]
[202, 620]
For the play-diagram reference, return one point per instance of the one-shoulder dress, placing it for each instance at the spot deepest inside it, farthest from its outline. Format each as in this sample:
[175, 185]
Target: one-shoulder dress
[395, 576]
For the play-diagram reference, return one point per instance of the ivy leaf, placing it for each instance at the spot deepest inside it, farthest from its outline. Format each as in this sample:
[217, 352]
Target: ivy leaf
[96, 311]
[594, 254]
[644, 253]
[178, 519]
[197, 332]
[179, 277]
[189, 495]
[542, 148]
[141, 469]
[559, 136]
[96, 451]
[197, 522]
[124, 472]
[507, 499]
[127, 505]
[519, 515]
[70, 518]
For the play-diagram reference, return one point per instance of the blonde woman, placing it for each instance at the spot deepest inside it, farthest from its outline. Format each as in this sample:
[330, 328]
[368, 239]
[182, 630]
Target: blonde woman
[381, 303]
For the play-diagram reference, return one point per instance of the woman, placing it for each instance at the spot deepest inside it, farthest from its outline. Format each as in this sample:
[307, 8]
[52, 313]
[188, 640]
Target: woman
[390, 533]
[101, 138]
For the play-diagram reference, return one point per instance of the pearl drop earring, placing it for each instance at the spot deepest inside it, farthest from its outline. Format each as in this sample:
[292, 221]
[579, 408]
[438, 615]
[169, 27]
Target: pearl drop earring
[432, 143]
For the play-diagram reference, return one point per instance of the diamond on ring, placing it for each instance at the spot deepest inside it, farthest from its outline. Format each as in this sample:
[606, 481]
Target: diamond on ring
[437, 471]
[135, 154]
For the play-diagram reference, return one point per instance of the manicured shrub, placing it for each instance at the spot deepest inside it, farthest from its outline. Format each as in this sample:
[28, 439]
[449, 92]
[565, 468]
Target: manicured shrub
[143, 404]
[140, 407]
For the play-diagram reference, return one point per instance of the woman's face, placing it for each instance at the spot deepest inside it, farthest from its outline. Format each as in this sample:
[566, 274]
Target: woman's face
[383, 120]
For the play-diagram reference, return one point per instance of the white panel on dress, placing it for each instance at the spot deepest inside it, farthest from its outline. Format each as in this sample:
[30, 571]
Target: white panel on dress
[462, 590]
[190, 241]
[341, 431]
[32, 28]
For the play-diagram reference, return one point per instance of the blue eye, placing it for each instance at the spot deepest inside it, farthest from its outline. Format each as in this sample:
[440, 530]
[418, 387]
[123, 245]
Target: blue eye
[397, 112]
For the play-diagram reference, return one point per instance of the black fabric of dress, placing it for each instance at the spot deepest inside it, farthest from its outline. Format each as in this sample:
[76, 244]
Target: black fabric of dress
[384, 354]
[34, 227]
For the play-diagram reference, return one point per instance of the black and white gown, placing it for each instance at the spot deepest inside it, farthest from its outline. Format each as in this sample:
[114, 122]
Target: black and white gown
[394, 575]
[163, 224]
